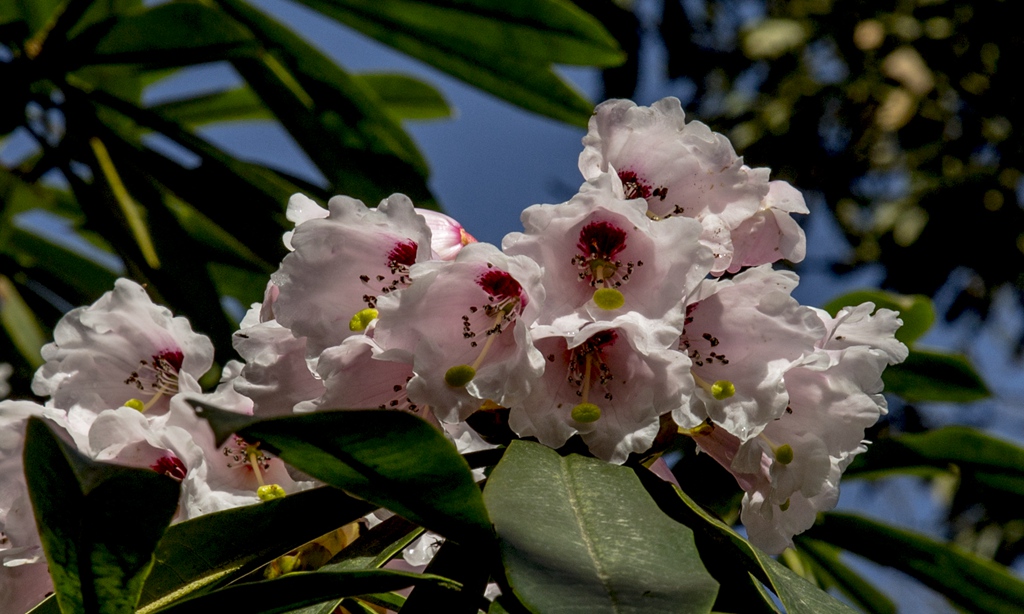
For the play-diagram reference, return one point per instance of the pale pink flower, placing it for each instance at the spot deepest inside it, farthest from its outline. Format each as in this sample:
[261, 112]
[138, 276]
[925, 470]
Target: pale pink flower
[341, 263]
[610, 382]
[121, 349]
[465, 324]
[685, 169]
[603, 257]
[447, 236]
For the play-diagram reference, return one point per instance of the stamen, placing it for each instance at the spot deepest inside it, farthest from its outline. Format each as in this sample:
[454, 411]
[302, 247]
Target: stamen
[158, 376]
[459, 375]
[362, 319]
[783, 453]
[722, 389]
[269, 492]
[135, 404]
[609, 299]
[586, 411]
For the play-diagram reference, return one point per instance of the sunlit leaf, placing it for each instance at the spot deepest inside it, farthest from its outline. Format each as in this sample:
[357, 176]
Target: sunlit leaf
[503, 48]
[237, 104]
[587, 537]
[98, 523]
[20, 324]
[407, 97]
[172, 34]
[972, 583]
[935, 376]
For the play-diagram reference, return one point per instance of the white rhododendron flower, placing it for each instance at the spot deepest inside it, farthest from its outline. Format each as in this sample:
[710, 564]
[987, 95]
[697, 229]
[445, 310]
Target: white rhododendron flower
[447, 236]
[342, 263]
[121, 350]
[685, 169]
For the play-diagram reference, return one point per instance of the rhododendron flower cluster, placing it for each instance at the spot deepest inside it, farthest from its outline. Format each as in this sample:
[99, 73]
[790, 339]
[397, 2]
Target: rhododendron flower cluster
[647, 299]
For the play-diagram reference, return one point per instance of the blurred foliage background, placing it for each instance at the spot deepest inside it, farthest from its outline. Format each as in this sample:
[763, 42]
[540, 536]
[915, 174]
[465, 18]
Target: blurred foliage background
[899, 116]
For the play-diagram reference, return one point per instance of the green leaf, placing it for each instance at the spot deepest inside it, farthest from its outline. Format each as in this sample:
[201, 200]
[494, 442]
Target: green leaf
[406, 97]
[990, 460]
[916, 310]
[972, 583]
[462, 564]
[826, 561]
[301, 589]
[578, 533]
[99, 523]
[336, 119]
[726, 552]
[390, 458]
[505, 48]
[238, 104]
[173, 34]
[188, 560]
[20, 323]
[935, 376]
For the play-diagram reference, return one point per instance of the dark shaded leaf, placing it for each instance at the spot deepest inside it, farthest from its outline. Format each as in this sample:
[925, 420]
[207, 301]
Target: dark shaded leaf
[301, 589]
[935, 376]
[725, 552]
[99, 523]
[20, 324]
[972, 583]
[391, 458]
[987, 458]
[579, 533]
[188, 559]
[406, 97]
[825, 558]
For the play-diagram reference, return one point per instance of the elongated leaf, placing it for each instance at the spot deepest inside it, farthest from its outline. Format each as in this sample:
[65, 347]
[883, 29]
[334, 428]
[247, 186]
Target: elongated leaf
[581, 534]
[173, 34]
[301, 589]
[406, 97]
[506, 49]
[188, 560]
[390, 458]
[826, 560]
[935, 376]
[99, 523]
[237, 104]
[987, 458]
[336, 119]
[462, 564]
[20, 324]
[972, 583]
[725, 552]
[916, 311]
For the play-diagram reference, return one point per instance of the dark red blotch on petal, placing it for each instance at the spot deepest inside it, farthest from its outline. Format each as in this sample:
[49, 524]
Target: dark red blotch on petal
[170, 466]
[601, 240]
[634, 186]
[403, 253]
[499, 284]
[171, 358]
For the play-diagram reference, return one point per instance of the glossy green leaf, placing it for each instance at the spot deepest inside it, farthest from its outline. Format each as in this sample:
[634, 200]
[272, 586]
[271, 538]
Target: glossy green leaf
[390, 458]
[972, 583]
[935, 376]
[406, 97]
[916, 310]
[506, 48]
[99, 523]
[725, 552]
[188, 560]
[20, 324]
[991, 460]
[173, 34]
[237, 104]
[825, 558]
[579, 533]
[301, 589]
